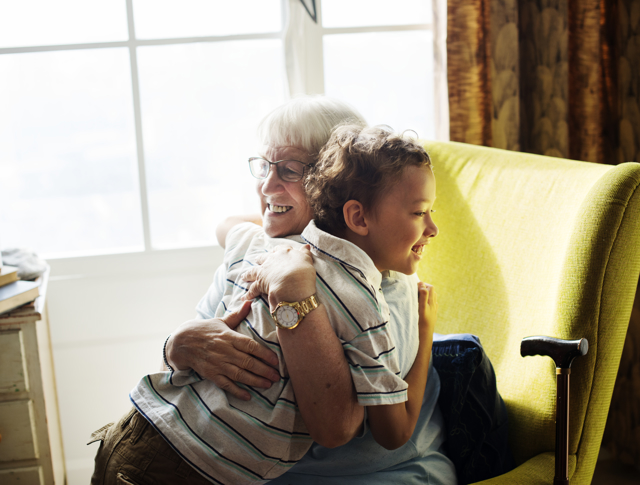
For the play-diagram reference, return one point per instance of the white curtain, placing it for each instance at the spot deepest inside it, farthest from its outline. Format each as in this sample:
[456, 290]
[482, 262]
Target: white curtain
[295, 47]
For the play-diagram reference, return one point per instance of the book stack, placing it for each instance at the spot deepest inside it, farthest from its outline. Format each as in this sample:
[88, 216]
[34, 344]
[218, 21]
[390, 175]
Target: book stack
[8, 274]
[15, 292]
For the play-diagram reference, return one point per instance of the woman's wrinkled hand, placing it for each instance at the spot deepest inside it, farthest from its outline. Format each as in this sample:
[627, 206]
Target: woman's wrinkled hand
[220, 354]
[285, 274]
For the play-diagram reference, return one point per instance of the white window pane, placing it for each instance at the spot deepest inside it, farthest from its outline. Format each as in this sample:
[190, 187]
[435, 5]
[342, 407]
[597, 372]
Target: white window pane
[44, 22]
[201, 104]
[388, 76]
[361, 13]
[200, 18]
[67, 145]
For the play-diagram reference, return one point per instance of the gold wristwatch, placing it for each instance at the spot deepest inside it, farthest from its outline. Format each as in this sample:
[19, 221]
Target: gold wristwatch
[289, 315]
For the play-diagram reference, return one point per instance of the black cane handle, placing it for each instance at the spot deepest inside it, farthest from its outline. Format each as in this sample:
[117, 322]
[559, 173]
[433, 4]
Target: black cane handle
[561, 351]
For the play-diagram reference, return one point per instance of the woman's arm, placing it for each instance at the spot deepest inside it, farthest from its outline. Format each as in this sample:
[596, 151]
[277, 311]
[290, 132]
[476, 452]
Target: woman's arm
[315, 358]
[321, 380]
[212, 348]
[392, 425]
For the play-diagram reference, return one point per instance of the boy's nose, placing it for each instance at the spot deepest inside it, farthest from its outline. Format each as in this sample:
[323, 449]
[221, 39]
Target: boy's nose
[431, 230]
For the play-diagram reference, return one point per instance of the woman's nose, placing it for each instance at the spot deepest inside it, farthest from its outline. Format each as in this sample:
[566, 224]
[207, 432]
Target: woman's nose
[272, 184]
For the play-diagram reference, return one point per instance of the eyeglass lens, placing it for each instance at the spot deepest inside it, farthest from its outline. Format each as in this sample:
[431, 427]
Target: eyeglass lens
[288, 170]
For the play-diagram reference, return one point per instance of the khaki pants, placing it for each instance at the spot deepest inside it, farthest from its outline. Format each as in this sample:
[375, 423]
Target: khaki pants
[133, 452]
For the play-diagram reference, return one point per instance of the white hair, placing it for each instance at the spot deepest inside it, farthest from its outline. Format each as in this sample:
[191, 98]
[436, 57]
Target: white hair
[306, 122]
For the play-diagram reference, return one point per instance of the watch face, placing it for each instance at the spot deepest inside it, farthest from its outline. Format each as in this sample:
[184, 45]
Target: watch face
[287, 316]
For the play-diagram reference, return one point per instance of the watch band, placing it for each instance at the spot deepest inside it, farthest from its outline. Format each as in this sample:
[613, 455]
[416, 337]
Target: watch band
[307, 305]
[302, 309]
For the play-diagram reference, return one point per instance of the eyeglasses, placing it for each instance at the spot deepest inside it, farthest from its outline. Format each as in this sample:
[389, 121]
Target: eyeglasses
[288, 170]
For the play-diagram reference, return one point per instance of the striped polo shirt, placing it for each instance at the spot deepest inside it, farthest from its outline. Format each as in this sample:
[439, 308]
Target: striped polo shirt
[231, 441]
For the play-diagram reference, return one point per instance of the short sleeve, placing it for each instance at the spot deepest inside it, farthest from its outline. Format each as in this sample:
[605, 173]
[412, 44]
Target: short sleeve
[373, 362]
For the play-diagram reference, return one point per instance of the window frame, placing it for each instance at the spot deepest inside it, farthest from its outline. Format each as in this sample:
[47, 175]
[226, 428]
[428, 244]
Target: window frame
[303, 51]
[131, 44]
[307, 75]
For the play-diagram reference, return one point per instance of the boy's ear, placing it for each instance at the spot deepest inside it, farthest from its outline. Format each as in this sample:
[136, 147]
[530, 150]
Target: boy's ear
[354, 217]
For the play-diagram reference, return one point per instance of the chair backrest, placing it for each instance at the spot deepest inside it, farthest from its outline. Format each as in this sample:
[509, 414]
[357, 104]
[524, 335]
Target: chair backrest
[533, 245]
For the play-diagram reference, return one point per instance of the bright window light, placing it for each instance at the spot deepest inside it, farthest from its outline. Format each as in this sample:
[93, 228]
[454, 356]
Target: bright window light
[45, 22]
[156, 19]
[201, 104]
[364, 13]
[85, 110]
[390, 80]
[67, 145]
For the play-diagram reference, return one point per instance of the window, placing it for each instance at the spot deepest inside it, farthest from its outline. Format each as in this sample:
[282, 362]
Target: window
[379, 56]
[125, 125]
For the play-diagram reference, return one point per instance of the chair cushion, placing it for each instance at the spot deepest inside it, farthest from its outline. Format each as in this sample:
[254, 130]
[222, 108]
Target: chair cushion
[474, 413]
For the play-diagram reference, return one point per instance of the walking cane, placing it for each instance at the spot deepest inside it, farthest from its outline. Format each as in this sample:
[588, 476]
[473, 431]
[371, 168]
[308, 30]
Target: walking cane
[562, 352]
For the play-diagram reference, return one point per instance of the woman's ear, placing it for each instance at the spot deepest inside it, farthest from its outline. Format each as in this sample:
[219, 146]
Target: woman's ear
[354, 217]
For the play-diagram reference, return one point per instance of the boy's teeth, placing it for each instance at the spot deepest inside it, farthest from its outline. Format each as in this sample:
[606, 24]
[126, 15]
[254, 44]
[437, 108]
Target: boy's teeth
[418, 249]
[279, 208]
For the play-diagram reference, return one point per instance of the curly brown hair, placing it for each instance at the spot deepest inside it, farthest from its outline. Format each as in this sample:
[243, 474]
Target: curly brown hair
[358, 164]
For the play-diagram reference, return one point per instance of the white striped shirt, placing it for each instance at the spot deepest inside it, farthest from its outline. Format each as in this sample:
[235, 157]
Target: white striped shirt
[231, 441]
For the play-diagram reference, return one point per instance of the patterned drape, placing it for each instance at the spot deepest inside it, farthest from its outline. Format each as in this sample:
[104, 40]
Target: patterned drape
[558, 78]
[589, 77]
[554, 77]
[468, 55]
[627, 64]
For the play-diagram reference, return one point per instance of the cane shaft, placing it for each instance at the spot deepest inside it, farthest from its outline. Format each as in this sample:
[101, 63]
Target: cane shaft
[562, 427]
[562, 352]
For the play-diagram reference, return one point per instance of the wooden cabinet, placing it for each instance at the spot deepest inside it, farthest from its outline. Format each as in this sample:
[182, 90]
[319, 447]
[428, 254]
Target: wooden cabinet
[31, 442]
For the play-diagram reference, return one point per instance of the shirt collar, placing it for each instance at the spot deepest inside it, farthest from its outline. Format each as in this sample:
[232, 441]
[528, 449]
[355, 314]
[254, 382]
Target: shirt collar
[343, 251]
[295, 237]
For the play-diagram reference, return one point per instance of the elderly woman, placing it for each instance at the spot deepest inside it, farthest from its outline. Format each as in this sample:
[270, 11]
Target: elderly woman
[344, 449]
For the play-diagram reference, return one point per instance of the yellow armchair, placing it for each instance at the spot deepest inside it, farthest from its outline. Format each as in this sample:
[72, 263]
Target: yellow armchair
[533, 245]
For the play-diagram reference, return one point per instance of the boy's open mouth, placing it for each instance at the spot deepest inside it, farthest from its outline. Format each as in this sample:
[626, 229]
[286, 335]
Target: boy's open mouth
[418, 248]
[279, 208]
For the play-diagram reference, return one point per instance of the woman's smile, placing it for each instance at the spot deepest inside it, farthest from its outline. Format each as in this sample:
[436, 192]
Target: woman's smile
[279, 209]
[284, 205]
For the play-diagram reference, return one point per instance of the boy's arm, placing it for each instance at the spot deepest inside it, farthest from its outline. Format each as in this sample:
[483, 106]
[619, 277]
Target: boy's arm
[392, 425]
[225, 226]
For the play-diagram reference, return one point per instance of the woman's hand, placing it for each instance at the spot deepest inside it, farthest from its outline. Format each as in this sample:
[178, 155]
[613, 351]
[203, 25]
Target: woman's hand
[218, 353]
[285, 274]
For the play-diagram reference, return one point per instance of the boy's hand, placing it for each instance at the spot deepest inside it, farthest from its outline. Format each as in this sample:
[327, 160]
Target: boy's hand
[427, 307]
